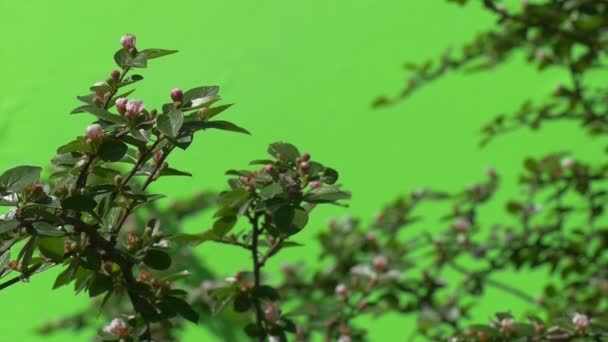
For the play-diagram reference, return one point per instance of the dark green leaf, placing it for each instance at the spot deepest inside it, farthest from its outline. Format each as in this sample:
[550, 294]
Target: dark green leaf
[155, 53]
[100, 113]
[100, 284]
[170, 124]
[290, 220]
[46, 229]
[284, 152]
[223, 225]
[326, 194]
[218, 124]
[18, 178]
[51, 248]
[182, 308]
[242, 303]
[79, 202]
[157, 259]
[8, 225]
[112, 150]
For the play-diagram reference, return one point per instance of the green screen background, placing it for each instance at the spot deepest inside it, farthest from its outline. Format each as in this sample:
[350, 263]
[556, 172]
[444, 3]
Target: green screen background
[304, 72]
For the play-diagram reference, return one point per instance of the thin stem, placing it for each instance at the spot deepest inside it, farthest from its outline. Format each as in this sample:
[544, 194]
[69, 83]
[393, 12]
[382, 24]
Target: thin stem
[256, 272]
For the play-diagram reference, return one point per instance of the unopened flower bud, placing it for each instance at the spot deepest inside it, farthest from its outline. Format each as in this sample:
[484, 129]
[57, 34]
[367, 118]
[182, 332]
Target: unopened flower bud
[304, 165]
[316, 185]
[342, 291]
[380, 263]
[107, 266]
[115, 75]
[305, 157]
[491, 172]
[12, 265]
[483, 336]
[158, 156]
[134, 108]
[269, 168]
[177, 95]
[507, 325]
[567, 163]
[94, 132]
[144, 276]
[344, 338]
[271, 312]
[128, 42]
[117, 327]
[131, 239]
[461, 225]
[99, 91]
[117, 180]
[67, 247]
[121, 105]
[580, 321]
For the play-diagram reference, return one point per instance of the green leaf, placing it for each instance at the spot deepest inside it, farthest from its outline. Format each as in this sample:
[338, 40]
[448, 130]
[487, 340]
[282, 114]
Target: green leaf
[330, 176]
[170, 124]
[100, 113]
[252, 330]
[157, 259]
[5, 258]
[182, 308]
[51, 248]
[123, 59]
[8, 225]
[284, 152]
[112, 150]
[199, 92]
[218, 124]
[214, 111]
[156, 53]
[271, 190]
[242, 303]
[223, 225]
[326, 194]
[100, 284]
[79, 202]
[130, 80]
[290, 220]
[67, 275]
[18, 178]
[47, 229]
[78, 145]
[266, 292]
[173, 172]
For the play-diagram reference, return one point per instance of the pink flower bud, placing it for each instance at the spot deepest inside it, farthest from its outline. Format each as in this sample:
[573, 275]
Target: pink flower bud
[94, 132]
[304, 165]
[269, 168]
[342, 291]
[271, 312]
[344, 338]
[117, 327]
[461, 225]
[491, 172]
[158, 156]
[100, 92]
[380, 263]
[134, 108]
[315, 185]
[567, 163]
[507, 325]
[115, 75]
[121, 105]
[128, 42]
[580, 321]
[177, 95]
